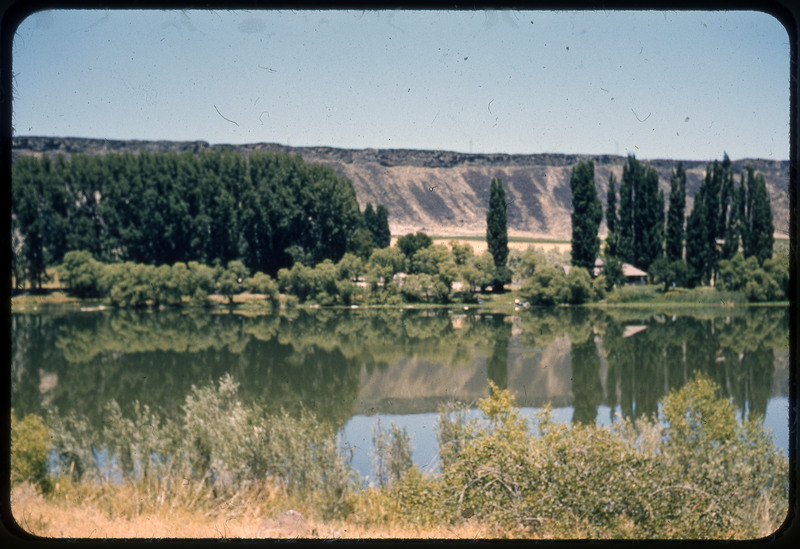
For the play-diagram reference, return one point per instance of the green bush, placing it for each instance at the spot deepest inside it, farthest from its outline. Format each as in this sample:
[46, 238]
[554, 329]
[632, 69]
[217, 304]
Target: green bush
[547, 286]
[81, 272]
[30, 444]
[701, 475]
[261, 283]
[769, 282]
[418, 287]
[580, 285]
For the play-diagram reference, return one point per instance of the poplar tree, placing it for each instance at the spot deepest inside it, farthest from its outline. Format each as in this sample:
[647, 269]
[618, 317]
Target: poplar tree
[759, 227]
[612, 221]
[587, 212]
[726, 224]
[648, 218]
[625, 241]
[696, 240]
[497, 233]
[381, 233]
[711, 197]
[369, 219]
[675, 217]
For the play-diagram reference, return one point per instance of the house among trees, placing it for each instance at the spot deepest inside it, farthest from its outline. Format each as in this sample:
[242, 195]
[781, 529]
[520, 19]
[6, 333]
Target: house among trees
[632, 274]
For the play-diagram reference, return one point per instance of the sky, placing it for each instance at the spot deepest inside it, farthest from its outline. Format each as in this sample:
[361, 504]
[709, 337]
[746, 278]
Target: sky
[688, 85]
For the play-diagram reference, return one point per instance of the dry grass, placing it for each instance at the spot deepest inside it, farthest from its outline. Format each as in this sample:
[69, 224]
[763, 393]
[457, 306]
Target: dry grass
[479, 245]
[95, 513]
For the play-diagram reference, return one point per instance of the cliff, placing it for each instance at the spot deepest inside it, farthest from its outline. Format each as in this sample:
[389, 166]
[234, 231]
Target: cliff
[447, 193]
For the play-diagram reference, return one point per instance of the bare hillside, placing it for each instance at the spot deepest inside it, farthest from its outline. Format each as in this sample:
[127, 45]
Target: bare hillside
[447, 193]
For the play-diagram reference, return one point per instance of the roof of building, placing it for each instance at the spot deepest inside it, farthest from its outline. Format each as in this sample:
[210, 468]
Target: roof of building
[630, 270]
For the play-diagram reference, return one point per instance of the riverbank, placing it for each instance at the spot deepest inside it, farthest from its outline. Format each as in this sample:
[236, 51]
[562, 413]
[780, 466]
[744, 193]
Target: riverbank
[508, 302]
[577, 481]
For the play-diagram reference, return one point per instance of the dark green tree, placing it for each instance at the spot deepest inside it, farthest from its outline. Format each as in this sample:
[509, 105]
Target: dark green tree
[675, 217]
[711, 198]
[758, 227]
[377, 223]
[30, 210]
[369, 217]
[587, 212]
[696, 241]
[497, 233]
[648, 222]
[381, 233]
[612, 220]
[625, 240]
[727, 221]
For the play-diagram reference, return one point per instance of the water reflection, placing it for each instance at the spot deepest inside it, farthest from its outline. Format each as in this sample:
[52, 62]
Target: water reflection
[340, 363]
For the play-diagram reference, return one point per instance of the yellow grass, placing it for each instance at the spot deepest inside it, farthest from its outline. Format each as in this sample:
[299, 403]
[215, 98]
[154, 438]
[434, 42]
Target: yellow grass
[82, 516]
[480, 246]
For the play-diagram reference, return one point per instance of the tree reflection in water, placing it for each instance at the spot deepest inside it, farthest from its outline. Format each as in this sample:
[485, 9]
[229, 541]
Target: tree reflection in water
[322, 361]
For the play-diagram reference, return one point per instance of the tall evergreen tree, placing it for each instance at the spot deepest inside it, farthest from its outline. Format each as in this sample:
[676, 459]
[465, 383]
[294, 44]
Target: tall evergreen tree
[612, 221]
[696, 240]
[587, 212]
[369, 218]
[648, 218]
[497, 233]
[675, 217]
[377, 223]
[382, 236]
[711, 197]
[734, 232]
[727, 213]
[759, 227]
[625, 241]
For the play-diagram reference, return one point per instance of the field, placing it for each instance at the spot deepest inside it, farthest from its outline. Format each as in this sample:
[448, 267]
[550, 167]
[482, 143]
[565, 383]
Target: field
[479, 245]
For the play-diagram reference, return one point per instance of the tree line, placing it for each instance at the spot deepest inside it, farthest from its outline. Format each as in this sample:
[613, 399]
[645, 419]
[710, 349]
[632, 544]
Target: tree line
[216, 217]
[727, 223]
[266, 210]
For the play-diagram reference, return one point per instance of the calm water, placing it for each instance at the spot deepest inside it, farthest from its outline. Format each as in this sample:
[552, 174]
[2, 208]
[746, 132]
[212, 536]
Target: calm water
[353, 367]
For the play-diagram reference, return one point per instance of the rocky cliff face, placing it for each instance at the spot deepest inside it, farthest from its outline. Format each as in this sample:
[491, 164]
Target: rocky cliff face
[447, 193]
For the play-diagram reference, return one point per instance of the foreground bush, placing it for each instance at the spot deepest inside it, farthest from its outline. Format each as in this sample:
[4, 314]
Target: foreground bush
[701, 475]
[693, 473]
[216, 444]
[29, 446]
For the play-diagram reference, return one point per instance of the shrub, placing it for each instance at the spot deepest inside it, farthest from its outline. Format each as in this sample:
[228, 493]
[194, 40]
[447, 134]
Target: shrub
[580, 285]
[526, 266]
[417, 287]
[392, 454]
[547, 286]
[218, 442]
[261, 283]
[81, 272]
[700, 475]
[30, 444]
[129, 284]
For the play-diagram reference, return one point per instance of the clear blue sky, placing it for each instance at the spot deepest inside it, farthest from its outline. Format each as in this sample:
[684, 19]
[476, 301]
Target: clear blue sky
[684, 85]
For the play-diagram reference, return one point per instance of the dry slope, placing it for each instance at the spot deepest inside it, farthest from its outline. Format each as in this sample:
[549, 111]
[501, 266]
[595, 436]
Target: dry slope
[447, 193]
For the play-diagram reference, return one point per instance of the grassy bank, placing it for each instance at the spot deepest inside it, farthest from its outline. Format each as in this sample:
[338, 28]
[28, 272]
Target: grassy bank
[693, 473]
